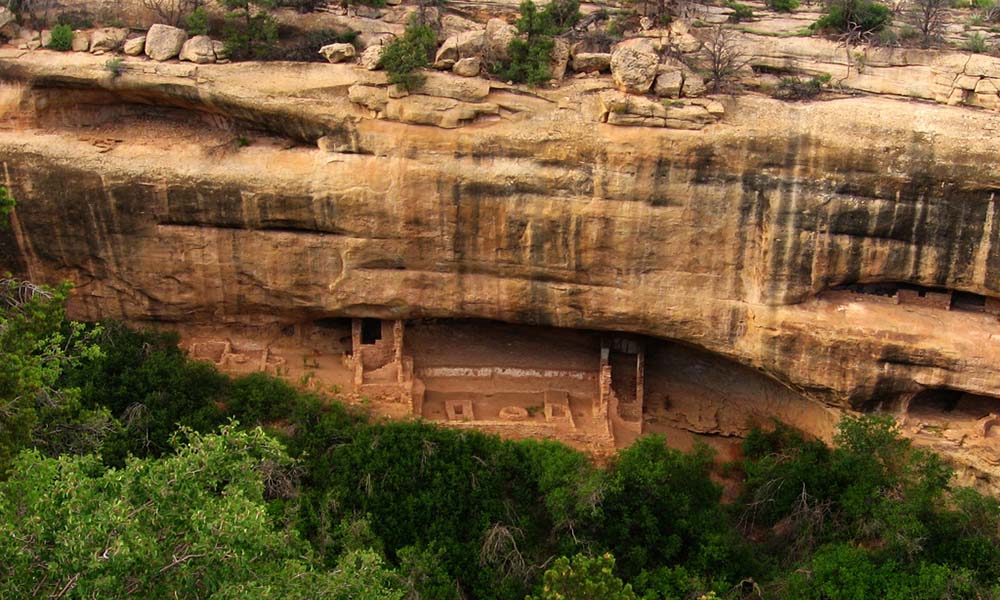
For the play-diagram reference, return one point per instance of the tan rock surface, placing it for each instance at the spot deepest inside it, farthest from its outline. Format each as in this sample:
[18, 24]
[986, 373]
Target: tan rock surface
[371, 58]
[468, 67]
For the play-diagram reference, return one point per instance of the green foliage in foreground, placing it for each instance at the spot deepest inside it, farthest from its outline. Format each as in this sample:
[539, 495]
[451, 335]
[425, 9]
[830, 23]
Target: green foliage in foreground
[194, 524]
[101, 495]
[584, 578]
[37, 345]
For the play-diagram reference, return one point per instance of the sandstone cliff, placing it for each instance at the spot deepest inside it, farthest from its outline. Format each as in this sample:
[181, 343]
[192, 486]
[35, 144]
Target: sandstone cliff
[729, 237]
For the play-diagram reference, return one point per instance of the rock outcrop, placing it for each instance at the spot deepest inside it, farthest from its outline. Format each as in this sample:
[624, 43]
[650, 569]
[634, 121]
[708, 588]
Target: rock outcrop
[546, 207]
[199, 49]
[464, 45]
[467, 67]
[107, 39]
[591, 62]
[81, 41]
[371, 58]
[135, 46]
[8, 23]
[336, 53]
[498, 35]
[164, 42]
[634, 65]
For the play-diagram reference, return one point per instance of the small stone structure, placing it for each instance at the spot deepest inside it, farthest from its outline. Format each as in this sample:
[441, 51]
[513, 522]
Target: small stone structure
[924, 298]
[557, 408]
[622, 381]
[249, 358]
[460, 410]
[380, 369]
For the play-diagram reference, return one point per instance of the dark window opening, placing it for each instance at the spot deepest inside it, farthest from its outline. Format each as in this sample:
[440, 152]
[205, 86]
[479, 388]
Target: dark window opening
[967, 301]
[371, 330]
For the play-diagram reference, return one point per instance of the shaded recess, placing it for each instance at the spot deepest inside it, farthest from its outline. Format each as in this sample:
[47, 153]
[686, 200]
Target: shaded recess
[951, 404]
[972, 420]
[917, 295]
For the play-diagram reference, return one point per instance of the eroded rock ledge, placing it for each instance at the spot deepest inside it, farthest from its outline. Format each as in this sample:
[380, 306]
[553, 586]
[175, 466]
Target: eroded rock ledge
[730, 238]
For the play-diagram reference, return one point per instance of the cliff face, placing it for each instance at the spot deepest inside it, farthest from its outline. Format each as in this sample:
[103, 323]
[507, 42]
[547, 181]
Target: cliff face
[729, 238]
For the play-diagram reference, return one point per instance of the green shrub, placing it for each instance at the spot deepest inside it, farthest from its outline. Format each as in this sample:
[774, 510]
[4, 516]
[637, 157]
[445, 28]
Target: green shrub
[260, 398]
[991, 12]
[76, 19]
[584, 577]
[529, 56]
[741, 12]
[794, 88]
[404, 56]
[975, 43]
[62, 38]
[147, 383]
[528, 61]
[845, 15]
[661, 508]
[197, 22]
[251, 32]
[115, 66]
[784, 6]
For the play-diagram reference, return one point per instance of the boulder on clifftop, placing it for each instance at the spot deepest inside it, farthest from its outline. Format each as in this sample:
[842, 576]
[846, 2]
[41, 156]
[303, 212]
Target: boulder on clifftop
[81, 41]
[498, 36]
[591, 62]
[464, 45]
[198, 49]
[108, 39]
[135, 46]
[634, 64]
[164, 42]
[8, 23]
[336, 53]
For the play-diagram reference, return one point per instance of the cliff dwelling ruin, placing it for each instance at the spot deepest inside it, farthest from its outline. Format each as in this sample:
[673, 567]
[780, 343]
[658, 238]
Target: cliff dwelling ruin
[595, 390]
[917, 295]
